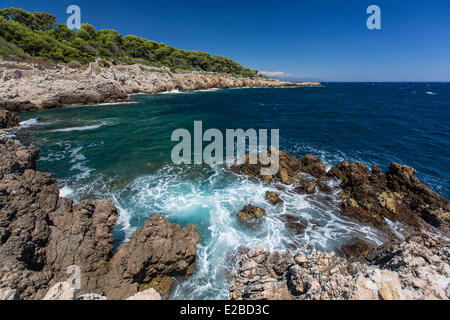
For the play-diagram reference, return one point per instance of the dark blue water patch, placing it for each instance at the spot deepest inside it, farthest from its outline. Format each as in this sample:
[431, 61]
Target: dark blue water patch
[374, 123]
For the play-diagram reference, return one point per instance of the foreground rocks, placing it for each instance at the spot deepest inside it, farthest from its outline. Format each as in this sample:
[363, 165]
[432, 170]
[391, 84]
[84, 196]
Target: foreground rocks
[156, 253]
[417, 268]
[369, 197]
[64, 291]
[42, 235]
[27, 87]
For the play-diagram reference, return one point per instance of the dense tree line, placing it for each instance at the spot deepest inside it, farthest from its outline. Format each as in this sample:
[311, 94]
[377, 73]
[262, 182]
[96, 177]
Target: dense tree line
[24, 34]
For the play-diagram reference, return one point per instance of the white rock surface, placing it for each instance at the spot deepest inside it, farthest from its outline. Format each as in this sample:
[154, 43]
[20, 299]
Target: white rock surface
[149, 294]
[61, 291]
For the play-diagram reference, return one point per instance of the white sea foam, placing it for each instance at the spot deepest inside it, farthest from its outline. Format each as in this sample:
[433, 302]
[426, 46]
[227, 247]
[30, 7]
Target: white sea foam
[173, 91]
[84, 128]
[212, 202]
[113, 103]
[79, 164]
[28, 123]
[123, 221]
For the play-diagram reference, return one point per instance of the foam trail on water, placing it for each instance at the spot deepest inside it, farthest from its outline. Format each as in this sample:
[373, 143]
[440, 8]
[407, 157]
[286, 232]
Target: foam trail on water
[28, 123]
[211, 197]
[84, 128]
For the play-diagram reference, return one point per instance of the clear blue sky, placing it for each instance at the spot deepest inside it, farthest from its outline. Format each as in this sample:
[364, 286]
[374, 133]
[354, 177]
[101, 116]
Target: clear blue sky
[325, 39]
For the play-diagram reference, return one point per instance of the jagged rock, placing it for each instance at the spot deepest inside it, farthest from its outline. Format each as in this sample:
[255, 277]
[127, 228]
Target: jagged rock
[273, 198]
[250, 212]
[61, 291]
[156, 253]
[417, 268]
[260, 276]
[15, 157]
[379, 285]
[149, 294]
[81, 235]
[42, 235]
[289, 168]
[9, 294]
[8, 119]
[396, 195]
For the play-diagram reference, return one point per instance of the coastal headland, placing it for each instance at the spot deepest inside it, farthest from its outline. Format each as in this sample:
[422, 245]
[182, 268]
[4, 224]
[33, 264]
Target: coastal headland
[34, 86]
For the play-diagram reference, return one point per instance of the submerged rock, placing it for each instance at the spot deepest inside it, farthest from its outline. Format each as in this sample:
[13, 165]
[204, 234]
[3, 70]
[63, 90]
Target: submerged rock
[417, 268]
[250, 212]
[294, 224]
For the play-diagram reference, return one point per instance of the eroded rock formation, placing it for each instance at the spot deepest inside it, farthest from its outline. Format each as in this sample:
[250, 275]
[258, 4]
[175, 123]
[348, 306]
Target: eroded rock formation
[396, 195]
[42, 235]
[156, 253]
[27, 87]
[367, 197]
[417, 268]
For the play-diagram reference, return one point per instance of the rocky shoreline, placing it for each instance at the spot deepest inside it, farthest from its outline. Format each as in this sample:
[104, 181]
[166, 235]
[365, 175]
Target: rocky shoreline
[415, 269]
[414, 264]
[42, 235]
[33, 86]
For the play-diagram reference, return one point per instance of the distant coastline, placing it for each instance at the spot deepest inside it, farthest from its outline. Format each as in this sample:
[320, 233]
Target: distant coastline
[30, 87]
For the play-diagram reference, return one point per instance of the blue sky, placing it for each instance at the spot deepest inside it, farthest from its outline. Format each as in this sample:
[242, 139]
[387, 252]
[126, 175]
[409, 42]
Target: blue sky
[323, 39]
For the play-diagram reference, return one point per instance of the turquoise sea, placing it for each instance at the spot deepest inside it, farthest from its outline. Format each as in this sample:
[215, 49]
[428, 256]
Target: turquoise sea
[122, 152]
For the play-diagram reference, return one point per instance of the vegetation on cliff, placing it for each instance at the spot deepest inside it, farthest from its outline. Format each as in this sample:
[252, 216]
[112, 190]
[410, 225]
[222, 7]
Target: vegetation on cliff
[24, 34]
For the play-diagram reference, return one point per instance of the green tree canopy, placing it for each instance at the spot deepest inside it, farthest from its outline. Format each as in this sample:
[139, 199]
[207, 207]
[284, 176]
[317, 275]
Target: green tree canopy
[39, 35]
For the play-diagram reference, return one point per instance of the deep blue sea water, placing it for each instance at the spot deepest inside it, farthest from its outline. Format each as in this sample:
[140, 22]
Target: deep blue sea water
[122, 152]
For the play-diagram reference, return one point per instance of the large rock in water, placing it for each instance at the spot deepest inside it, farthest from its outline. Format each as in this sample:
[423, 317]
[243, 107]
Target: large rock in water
[289, 168]
[41, 235]
[396, 195]
[417, 268]
[250, 212]
[156, 253]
